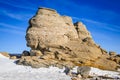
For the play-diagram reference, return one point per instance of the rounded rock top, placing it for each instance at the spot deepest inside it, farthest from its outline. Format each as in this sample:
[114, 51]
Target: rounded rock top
[47, 9]
[43, 10]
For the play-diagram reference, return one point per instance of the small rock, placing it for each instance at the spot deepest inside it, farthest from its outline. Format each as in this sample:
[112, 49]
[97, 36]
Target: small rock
[79, 76]
[67, 70]
[111, 53]
[13, 57]
[83, 71]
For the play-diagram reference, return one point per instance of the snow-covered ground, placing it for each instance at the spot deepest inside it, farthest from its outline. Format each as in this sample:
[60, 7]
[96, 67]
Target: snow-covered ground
[10, 71]
[98, 72]
[112, 74]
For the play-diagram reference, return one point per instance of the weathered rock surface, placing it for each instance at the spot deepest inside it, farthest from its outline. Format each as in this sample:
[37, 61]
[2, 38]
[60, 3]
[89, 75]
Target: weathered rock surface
[115, 58]
[35, 53]
[82, 31]
[55, 40]
[111, 53]
[48, 28]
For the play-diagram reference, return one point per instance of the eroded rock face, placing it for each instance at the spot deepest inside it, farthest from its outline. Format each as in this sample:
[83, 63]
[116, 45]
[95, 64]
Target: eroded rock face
[82, 31]
[48, 28]
[57, 41]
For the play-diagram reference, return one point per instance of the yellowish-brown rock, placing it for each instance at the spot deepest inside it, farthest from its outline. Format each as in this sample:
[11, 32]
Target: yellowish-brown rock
[105, 64]
[5, 54]
[13, 57]
[35, 53]
[59, 42]
[48, 28]
[81, 30]
[112, 53]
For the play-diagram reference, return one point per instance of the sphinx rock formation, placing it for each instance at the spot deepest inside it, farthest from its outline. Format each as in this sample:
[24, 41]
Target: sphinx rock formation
[60, 43]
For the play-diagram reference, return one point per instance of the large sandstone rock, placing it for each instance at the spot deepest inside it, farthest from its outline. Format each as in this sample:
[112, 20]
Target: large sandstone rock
[48, 28]
[56, 41]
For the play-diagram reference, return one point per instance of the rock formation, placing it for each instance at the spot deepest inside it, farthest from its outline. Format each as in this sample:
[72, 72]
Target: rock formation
[55, 40]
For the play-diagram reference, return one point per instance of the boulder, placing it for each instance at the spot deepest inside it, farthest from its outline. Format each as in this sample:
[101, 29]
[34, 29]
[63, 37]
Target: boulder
[13, 57]
[83, 71]
[112, 53]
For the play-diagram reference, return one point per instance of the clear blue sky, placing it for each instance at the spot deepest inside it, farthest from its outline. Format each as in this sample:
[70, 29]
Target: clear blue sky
[102, 18]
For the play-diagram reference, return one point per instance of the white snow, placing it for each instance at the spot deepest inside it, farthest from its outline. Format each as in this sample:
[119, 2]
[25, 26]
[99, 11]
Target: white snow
[10, 71]
[99, 72]
[96, 71]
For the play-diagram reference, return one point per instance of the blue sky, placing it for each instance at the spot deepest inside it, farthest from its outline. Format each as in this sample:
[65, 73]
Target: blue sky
[102, 18]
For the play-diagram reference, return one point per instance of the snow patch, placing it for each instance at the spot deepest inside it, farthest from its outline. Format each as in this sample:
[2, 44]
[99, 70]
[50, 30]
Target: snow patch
[10, 71]
[99, 72]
